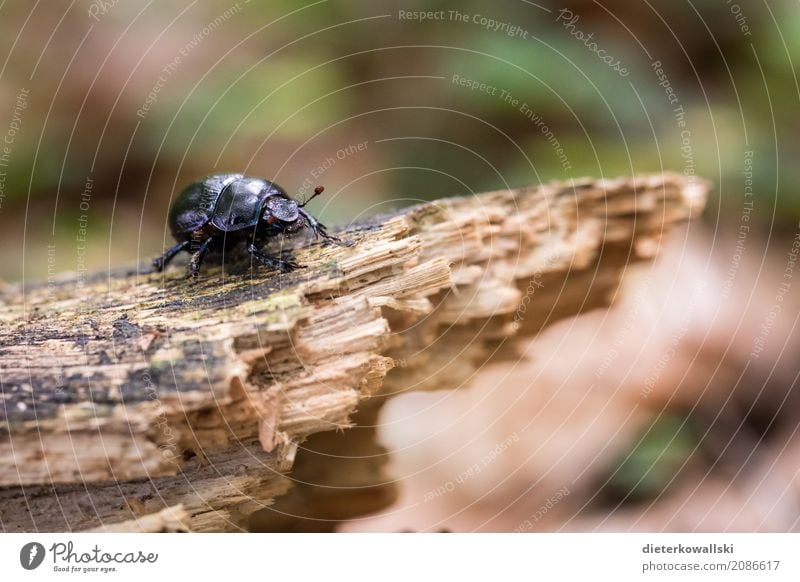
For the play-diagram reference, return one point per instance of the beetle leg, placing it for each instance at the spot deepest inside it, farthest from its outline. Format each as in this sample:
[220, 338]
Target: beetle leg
[197, 257]
[161, 262]
[320, 230]
[316, 226]
[282, 265]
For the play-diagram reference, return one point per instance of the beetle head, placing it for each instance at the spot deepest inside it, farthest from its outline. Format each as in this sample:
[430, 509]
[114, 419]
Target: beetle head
[284, 209]
[284, 212]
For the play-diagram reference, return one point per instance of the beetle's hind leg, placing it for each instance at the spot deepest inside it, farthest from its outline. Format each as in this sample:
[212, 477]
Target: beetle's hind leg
[160, 263]
[197, 257]
[283, 265]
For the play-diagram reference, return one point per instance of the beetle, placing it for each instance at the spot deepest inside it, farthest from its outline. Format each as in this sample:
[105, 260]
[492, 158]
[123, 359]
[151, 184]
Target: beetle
[224, 210]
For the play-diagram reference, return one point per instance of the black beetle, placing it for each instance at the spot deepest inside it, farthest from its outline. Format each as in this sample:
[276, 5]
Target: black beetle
[223, 210]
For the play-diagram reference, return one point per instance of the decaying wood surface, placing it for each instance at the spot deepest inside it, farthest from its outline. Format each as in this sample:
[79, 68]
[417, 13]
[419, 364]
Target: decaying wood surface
[129, 393]
[169, 520]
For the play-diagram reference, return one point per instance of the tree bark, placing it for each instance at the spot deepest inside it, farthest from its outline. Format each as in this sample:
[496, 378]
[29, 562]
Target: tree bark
[128, 393]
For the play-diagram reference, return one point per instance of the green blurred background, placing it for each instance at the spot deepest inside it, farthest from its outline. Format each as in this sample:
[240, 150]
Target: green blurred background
[138, 98]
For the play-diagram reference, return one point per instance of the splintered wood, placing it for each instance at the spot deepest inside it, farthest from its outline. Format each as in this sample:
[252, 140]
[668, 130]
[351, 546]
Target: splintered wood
[130, 393]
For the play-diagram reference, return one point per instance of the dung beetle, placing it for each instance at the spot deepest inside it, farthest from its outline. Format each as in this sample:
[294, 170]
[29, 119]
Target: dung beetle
[224, 210]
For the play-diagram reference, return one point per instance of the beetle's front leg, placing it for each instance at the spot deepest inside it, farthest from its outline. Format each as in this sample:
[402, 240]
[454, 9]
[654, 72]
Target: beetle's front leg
[320, 230]
[282, 265]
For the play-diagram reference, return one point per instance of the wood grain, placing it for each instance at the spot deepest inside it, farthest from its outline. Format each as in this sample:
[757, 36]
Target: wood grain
[128, 393]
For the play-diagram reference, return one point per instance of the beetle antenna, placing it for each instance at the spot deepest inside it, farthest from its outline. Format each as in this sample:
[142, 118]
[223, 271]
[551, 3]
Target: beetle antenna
[317, 191]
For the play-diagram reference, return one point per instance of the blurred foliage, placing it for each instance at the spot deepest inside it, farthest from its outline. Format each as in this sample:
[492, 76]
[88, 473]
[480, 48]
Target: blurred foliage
[278, 88]
[659, 455]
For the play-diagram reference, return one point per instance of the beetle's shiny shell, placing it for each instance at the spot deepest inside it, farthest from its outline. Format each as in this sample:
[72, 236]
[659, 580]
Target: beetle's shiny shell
[230, 202]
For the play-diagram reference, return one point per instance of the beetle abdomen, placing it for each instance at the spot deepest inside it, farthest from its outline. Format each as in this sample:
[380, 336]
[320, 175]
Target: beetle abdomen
[194, 206]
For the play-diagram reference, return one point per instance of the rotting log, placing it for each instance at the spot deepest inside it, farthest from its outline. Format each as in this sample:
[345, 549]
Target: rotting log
[129, 393]
[169, 520]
